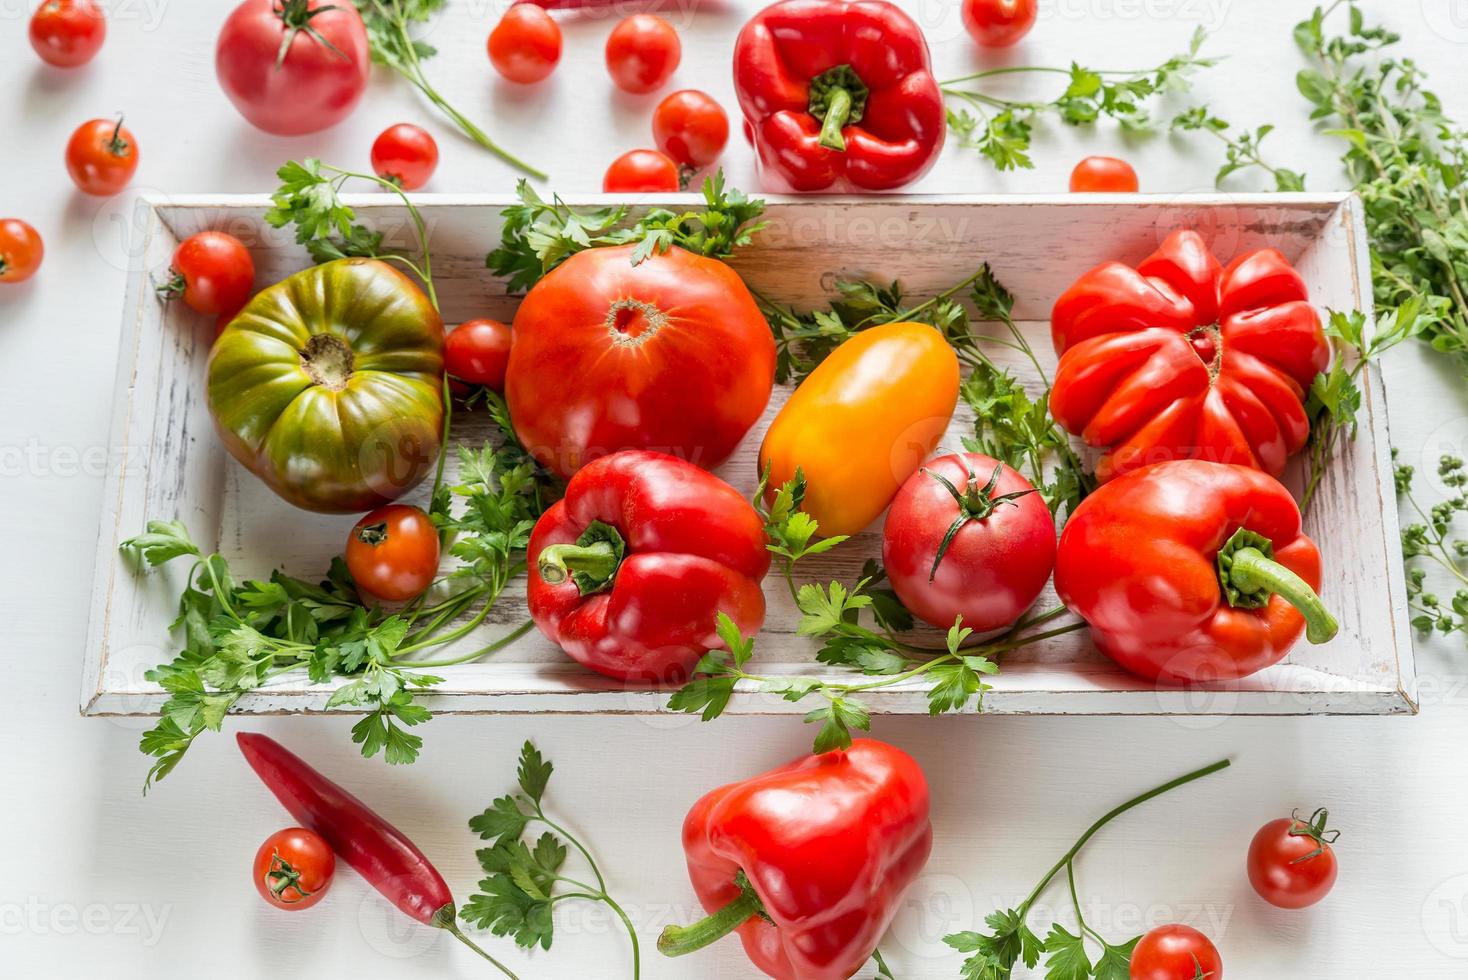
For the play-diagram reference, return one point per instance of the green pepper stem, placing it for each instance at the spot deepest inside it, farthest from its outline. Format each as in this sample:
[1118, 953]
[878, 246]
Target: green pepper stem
[838, 110]
[599, 560]
[1253, 573]
[681, 940]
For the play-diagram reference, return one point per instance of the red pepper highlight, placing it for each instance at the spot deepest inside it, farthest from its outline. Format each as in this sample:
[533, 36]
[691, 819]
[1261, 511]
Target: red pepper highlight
[838, 93]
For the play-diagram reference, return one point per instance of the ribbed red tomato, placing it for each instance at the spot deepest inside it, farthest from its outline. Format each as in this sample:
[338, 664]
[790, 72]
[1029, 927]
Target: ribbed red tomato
[670, 354]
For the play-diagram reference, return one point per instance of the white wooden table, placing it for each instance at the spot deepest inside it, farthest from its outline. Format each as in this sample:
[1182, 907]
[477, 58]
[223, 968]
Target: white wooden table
[99, 880]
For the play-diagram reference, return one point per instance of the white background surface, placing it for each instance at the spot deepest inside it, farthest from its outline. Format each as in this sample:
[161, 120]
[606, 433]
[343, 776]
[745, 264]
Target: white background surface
[96, 880]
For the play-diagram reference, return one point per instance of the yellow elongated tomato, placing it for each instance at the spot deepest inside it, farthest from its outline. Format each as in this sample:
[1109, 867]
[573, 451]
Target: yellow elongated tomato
[863, 422]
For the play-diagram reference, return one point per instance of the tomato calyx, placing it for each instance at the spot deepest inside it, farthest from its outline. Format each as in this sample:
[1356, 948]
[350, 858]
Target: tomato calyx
[174, 287]
[1250, 576]
[975, 503]
[327, 361]
[373, 534]
[296, 16]
[282, 877]
[116, 145]
[1316, 829]
[838, 98]
[1198, 973]
[633, 322]
[591, 563]
[681, 940]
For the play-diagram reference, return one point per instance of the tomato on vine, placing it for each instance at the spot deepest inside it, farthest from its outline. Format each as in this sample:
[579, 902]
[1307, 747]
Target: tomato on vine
[690, 127]
[641, 172]
[642, 53]
[1176, 952]
[1291, 863]
[392, 553]
[998, 23]
[68, 33]
[294, 868]
[525, 45]
[101, 157]
[1105, 174]
[405, 154]
[21, 250]
[213, 272]
[478, 351]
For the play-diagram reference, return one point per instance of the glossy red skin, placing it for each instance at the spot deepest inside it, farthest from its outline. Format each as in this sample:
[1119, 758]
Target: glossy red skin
[21, 250]
[68, 33]
[787, 44]
[371, 846]
[525, 45]
[642, 53]
[478, 351]
[641, 172]
[579, 387]
[994, 569]
[1137, 562]
[830, 843]
[998, 23]
[1167, 953]
[1131, 382]
[690, 127]
[313, 88]
[1275, 875]
[218, 273]
[406, 154]
[305, 851]
[1103, 175]
[403, 564]
[695, 548]
[98, 165]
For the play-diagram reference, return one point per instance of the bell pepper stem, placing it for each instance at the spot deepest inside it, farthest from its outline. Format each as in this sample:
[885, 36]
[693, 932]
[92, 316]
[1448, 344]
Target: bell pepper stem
[598, 559]
[838, 110]
[1254, 573]
[681, 940]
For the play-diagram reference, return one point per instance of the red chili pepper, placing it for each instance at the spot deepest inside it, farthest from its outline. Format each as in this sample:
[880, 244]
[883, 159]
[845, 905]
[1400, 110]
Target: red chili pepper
[808, 862]
[375, 849]
[629, 571]
[1192, 571]
[839, 92]
[1181, 358]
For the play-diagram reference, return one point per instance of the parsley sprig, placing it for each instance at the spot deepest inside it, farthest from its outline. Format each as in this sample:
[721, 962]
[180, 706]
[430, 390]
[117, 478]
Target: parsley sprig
[525, 881]
[1010, 939]
[539, 235]
[999, 128]
[239, 635]
[390, 25]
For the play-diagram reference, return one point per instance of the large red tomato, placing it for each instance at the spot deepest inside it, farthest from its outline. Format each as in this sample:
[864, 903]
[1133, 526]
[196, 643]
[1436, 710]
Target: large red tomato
[670, 354]
[293, 66]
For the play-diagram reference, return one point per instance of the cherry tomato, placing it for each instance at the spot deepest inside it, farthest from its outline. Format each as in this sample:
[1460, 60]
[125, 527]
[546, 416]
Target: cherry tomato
[642, 52]
[405, 154]
[213, 272]
[641, 171]
[478, 352]
[1103, 174]
[294, 868]
[101, 157]
[525, 45]
[1291, 863]
[998, 23]
[988, 571]
[68, 33]
[1176, 952]
[392, 553]
[690, 127]
[21, 250]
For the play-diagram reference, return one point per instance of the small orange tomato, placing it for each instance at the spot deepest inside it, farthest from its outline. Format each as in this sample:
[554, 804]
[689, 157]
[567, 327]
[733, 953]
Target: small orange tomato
[1105, 174]
[101, 157]
[863, 422]
[392, 553]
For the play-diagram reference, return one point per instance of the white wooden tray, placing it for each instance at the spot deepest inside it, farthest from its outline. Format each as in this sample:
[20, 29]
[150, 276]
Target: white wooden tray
[172, 466]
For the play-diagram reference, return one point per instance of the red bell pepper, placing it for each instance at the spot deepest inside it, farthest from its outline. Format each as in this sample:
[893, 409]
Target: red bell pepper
[1181, 358]
[838, 93]
[375, 849]
[1192, 571]
[808, 862]
[629, 571]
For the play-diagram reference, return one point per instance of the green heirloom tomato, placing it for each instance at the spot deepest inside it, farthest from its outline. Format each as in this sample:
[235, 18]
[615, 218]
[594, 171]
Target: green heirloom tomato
[328, 386]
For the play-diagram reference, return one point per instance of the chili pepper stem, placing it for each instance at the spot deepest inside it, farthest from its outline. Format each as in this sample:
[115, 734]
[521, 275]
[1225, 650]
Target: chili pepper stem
[1251, 572]
[451, 926]
[681, 940]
